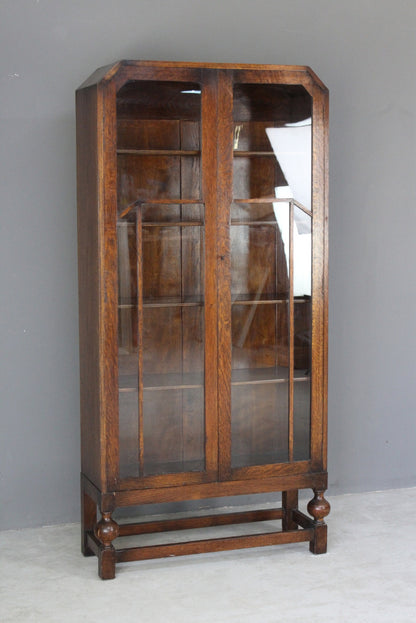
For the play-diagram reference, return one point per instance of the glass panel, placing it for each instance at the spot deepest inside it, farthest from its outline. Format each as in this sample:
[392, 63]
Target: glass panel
[173, 436]
[260, 342]
[161, 285]
[270, 404]
[302, 254]
[272, 142]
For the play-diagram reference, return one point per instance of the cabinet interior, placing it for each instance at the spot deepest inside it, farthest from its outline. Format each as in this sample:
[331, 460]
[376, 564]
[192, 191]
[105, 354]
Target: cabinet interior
[161, 295]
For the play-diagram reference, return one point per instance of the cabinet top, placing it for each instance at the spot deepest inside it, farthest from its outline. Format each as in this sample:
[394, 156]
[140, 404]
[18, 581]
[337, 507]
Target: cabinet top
[108, 72]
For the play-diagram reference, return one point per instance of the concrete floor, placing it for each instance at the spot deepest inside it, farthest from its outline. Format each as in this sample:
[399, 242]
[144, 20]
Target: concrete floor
[368, 575]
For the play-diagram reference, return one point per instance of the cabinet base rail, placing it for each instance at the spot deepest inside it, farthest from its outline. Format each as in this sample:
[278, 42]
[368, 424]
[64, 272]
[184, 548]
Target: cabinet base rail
[300, 528]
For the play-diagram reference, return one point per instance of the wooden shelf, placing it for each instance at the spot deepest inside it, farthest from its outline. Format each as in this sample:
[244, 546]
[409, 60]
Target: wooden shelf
[141, 203]
[158, 152]
[184, 301]
[266, 299]
[163, 224]
[161, 382]
[250, 154]
[248, 299]
[249, 376]
[260, 376]
[250, 223]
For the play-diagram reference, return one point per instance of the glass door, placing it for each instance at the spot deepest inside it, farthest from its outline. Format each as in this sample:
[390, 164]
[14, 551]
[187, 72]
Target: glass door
[161, 283]
[270, 237]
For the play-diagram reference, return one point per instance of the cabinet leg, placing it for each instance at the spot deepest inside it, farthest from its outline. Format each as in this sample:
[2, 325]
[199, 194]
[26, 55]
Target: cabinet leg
[318, 544]
[319, 508]
[289, 503]
[88, 520]
[106, 531]
[107, 563]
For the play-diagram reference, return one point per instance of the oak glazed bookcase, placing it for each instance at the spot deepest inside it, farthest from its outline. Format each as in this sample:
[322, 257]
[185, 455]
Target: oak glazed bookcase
[202, 222]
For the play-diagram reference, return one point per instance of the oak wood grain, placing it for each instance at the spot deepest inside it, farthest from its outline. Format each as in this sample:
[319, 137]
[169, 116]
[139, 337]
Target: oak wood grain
[202, 375]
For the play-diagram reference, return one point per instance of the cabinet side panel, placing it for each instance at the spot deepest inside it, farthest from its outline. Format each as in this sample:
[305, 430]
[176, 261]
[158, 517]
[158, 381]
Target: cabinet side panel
[88, 280]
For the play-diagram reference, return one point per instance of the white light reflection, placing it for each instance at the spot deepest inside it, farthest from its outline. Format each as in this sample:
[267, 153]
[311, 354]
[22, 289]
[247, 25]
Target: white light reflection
[292, 147]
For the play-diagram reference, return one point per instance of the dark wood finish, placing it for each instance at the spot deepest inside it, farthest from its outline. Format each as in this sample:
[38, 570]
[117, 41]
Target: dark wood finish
[89, 129]
[88, 520]
[318, 545]
[105, 531]
[202, 374]
[290, 505]
[301, 519]
[224, 137]
[212, 545]
[257, 479]
[319, 508]
[206, 521]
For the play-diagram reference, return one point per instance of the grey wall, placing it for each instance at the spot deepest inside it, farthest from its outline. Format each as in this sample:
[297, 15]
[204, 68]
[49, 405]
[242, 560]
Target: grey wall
[365, 51]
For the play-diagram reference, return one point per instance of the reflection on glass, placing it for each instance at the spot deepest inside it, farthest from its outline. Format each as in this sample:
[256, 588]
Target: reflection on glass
[291, 145]
[271, 275]
[161, 279]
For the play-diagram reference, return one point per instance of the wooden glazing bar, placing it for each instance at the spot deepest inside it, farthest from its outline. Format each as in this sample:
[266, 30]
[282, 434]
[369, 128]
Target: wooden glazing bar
[139, 247]
[302, 207]
[277, 310]
[291, 330]
[213, 545]
[187, 523]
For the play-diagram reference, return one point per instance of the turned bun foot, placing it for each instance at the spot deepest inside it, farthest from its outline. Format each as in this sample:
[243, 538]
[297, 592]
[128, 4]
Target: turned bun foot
[319, 507]
[106, 531]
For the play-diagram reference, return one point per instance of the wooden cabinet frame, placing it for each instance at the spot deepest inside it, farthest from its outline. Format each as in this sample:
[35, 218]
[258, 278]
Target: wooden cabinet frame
[101, 483]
